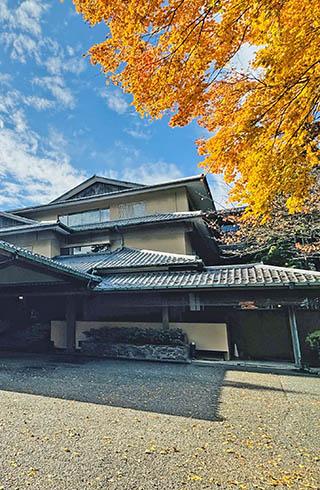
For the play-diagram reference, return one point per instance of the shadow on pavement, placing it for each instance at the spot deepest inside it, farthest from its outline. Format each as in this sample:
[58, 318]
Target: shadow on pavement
[173, 389]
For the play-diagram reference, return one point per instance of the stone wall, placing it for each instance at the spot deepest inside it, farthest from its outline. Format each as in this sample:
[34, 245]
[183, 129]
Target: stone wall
[146, 352]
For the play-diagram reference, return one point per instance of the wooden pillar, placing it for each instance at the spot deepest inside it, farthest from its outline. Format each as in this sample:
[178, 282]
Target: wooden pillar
[71, 323]
[295, 336]
[165, 316]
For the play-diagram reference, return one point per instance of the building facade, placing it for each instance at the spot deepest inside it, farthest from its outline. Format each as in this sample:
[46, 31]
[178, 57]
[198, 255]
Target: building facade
[120, 254]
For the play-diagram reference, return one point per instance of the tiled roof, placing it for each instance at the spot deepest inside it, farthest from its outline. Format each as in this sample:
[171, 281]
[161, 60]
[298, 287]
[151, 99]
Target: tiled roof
[126, 258]
[33, 226]
[152, 218]
[45, 261]
[139, 187]
[233, 276]
[16, 217]
[92, 180]
[196, 179]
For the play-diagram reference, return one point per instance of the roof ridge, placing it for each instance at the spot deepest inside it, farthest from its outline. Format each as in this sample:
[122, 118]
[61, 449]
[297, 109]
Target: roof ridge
[262, 265]
[291, 269]
[168, 254]
[89, 181]
[230, 266]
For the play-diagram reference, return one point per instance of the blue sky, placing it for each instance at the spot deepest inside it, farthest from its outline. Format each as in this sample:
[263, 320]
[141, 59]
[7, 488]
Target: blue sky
[60, 124]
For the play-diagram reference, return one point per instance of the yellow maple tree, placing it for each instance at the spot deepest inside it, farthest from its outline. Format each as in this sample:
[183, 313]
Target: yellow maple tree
[180, 57]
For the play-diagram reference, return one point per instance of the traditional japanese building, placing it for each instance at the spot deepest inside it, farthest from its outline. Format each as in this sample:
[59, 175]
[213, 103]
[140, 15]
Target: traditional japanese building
[120, 254]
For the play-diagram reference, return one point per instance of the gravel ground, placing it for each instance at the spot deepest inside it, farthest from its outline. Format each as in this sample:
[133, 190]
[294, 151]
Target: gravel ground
[131, 425]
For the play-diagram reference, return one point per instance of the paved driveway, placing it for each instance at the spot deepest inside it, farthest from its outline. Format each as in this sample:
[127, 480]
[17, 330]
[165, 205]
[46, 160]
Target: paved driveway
[134, 425]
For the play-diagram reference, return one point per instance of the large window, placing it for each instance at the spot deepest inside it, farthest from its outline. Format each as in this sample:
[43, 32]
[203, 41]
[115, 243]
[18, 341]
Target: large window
[83, 249]
[86, 217]
[132, 210]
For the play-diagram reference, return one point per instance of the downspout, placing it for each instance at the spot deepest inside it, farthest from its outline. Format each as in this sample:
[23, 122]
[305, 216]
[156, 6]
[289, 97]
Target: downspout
[121, 236]
[295, 337]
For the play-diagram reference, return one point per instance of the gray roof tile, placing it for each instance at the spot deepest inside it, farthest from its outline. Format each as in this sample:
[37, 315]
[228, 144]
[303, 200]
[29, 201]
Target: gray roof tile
[126, 258]
[35, 226]
[243, 276]
[152, 218]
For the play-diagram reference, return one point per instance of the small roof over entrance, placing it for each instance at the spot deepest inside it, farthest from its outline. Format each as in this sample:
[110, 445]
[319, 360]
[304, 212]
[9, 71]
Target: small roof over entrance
[19, 266]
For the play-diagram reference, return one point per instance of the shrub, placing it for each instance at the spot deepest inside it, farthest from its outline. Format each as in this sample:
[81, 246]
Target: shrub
[138, 336]
[313, 340]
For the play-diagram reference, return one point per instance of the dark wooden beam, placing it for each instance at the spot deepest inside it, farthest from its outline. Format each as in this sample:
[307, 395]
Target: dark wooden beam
[71, 323]
[165, 316]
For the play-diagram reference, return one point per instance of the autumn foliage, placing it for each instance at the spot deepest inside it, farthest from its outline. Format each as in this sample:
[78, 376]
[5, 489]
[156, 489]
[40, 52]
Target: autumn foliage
[182, 57]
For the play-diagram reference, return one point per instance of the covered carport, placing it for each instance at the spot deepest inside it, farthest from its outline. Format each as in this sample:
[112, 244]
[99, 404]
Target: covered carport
[253, 311]
[265, 308]
[33, 291]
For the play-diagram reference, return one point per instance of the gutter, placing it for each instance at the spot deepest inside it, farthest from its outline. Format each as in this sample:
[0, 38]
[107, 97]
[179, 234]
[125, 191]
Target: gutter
[308, 285]
[60, 228]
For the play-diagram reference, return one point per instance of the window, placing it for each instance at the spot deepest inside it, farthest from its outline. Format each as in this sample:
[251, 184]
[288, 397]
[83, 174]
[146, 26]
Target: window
[195, 302]
[86, 217]
[132, 210]
[84, 249]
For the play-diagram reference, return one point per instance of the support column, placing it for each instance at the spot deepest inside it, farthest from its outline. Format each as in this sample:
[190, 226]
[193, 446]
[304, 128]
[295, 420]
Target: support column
[295, 336]
[71, 323]
[165, 316]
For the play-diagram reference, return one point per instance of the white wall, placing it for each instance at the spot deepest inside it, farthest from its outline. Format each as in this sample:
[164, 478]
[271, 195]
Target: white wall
[207, 336]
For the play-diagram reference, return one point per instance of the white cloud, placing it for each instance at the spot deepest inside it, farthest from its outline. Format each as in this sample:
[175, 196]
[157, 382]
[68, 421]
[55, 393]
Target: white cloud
[34, 168]
[29, 174]
[9, 101]
[4, 11]
[22, 46]
[5, 79]
[38, 103]
[12, 100]
[23, 39]
[56, 86]
[139, 131]
[22, 29]
[242, 60]
[56, 65]
[19, 120]
[148, 173]
[115, 100]
[27, 16]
